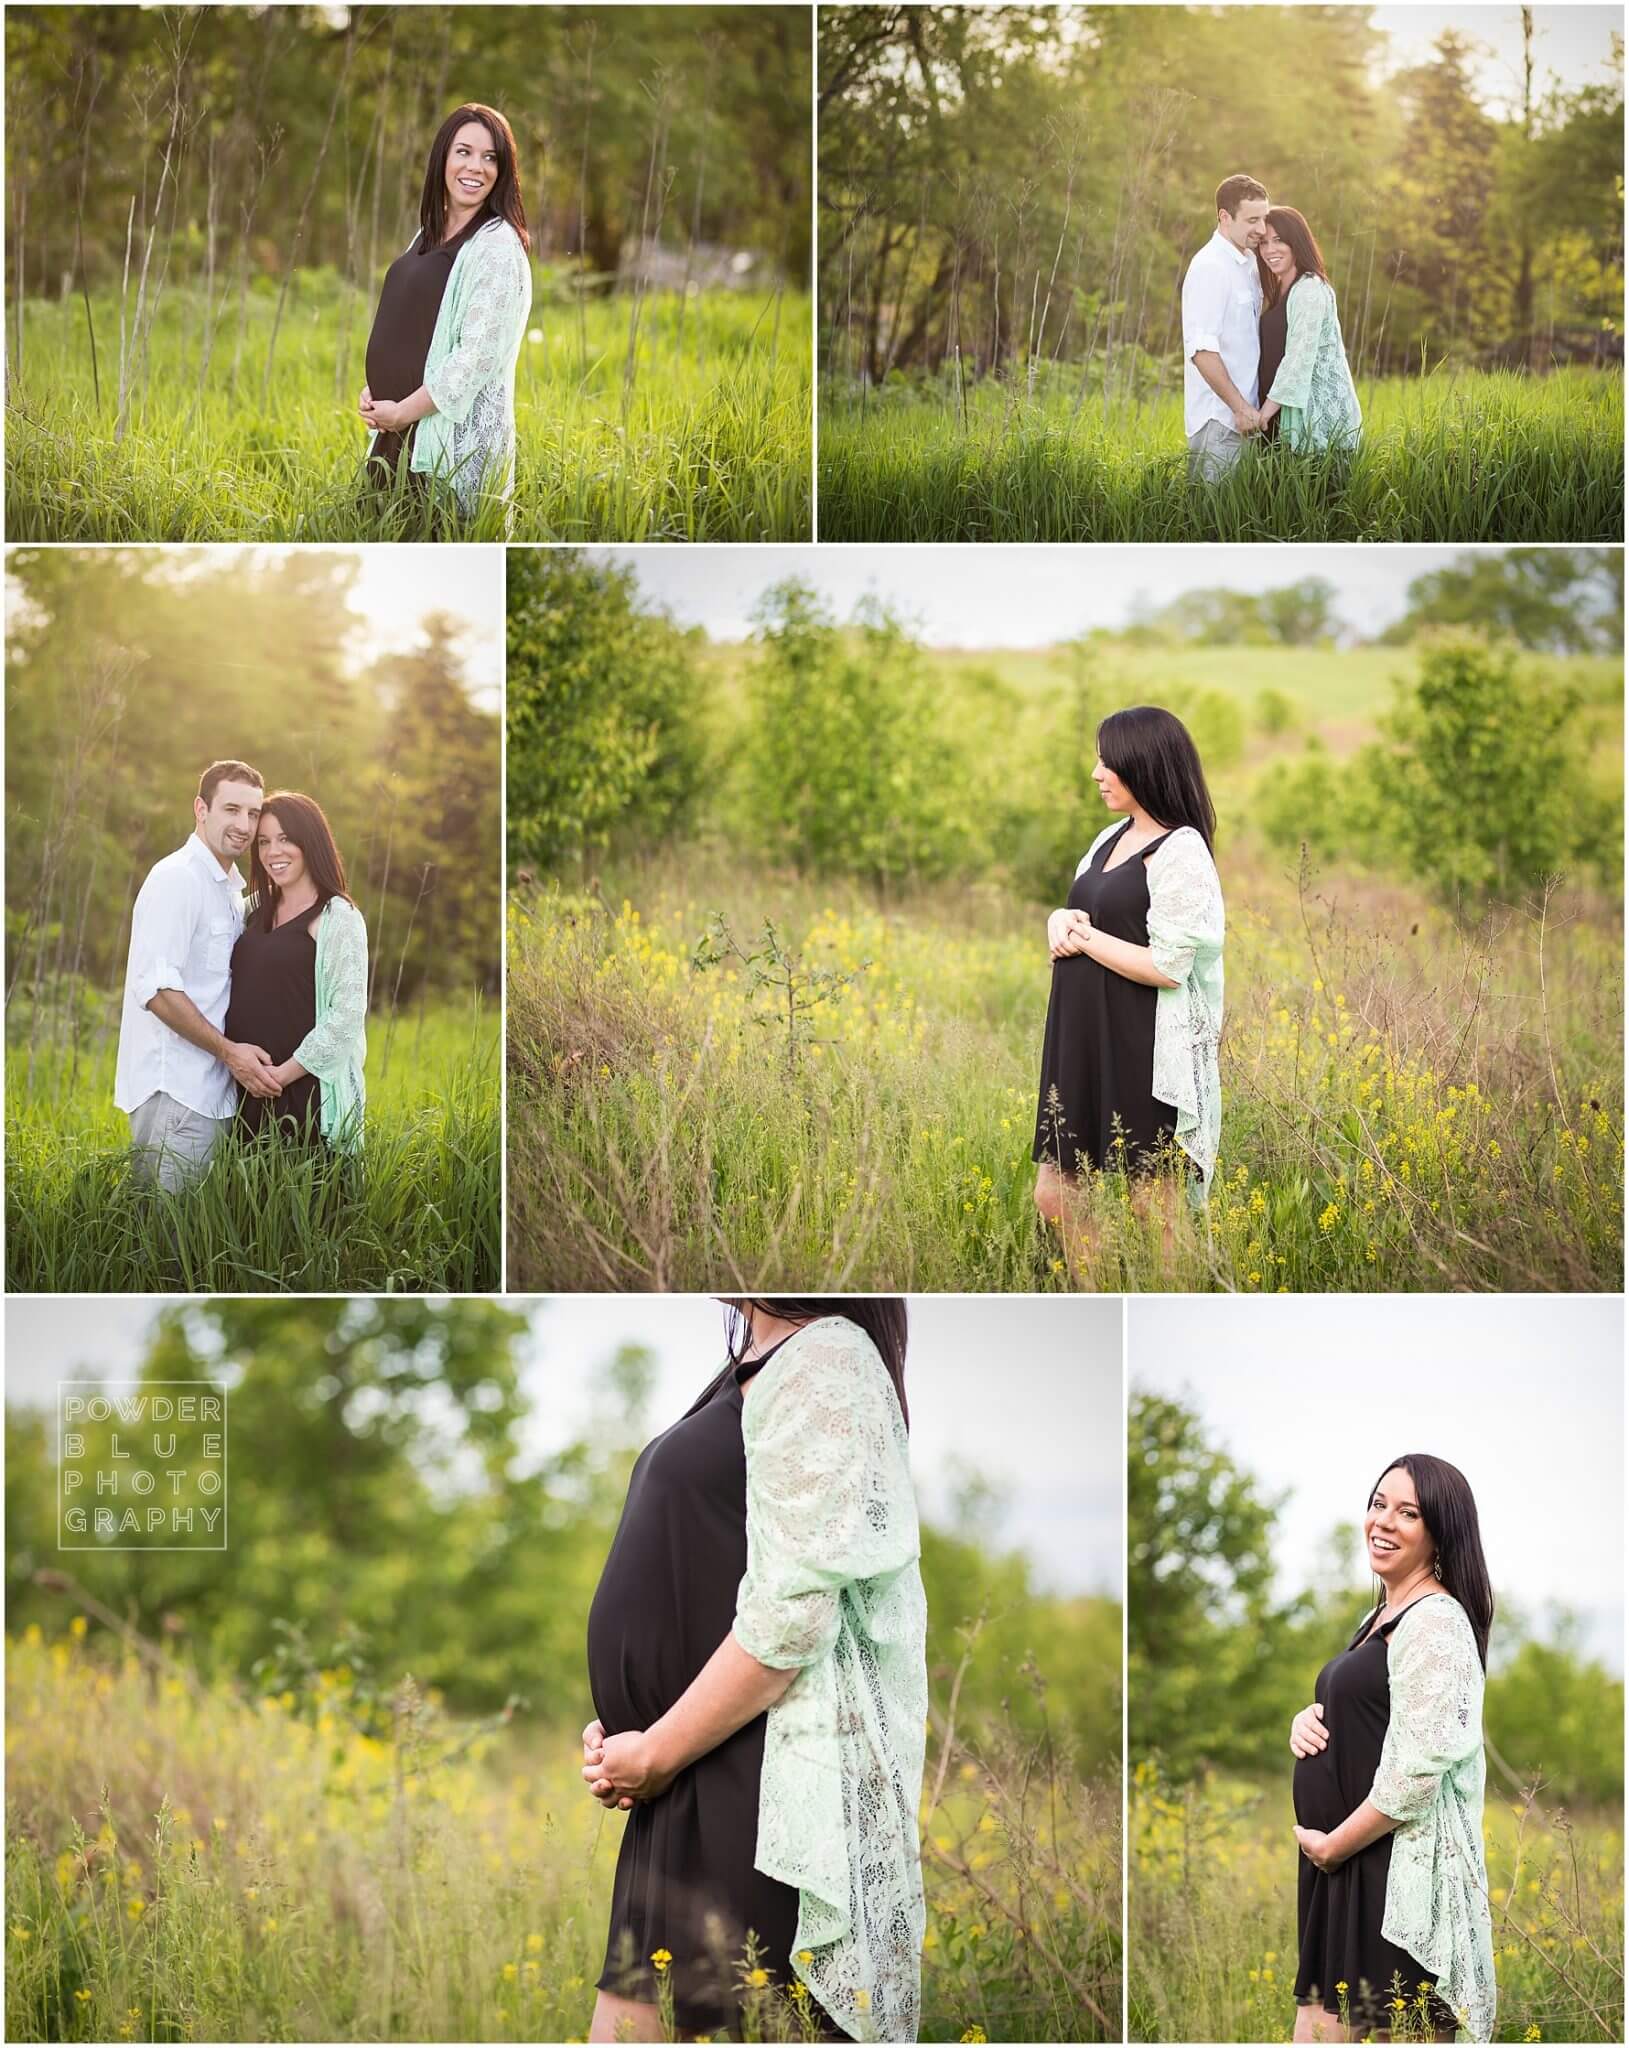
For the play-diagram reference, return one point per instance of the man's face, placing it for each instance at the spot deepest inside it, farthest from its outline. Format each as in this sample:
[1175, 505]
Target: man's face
[1245, 228]
[226, 824]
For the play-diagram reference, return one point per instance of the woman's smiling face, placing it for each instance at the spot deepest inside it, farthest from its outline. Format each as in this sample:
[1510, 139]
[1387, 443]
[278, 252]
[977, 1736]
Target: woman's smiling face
[1276, 253]
[282, 860]
[1111, 789]
[1394, 1531]
[472, 164]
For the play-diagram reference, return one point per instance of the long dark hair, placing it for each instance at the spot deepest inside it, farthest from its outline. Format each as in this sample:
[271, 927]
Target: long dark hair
[1448, 1509]
[302, 819]
[503, 202]
[1153, 754]
[881, 1316]
[1291, 227]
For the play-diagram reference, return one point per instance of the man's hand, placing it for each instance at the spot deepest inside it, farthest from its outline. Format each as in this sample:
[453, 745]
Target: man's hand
[626, 1768]
[251, 1067]
[1247, 420]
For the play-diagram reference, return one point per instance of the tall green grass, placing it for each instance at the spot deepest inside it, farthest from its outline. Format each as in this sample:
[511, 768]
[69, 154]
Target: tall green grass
[421, 1211]
[707, 437]
[1212, 1917]
[1406, 1104]
[187, 1863]
[1471, 456]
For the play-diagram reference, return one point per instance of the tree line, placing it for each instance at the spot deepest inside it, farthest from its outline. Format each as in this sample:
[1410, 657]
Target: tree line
[845, 747]
[233, 144]
[129, 670]
[1017, 188]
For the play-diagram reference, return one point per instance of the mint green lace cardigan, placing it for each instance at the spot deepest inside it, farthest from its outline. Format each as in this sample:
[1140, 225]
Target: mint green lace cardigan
[1314, 384]
[833, 1590]
[1430, 1781]
[336, 1047]
[469, 440]
[1186, 926]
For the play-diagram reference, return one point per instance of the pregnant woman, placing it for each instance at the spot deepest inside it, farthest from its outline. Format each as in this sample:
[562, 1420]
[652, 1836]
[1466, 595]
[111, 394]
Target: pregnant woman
[757, 1658]
[441, 356]
[1128, 1068]
[300, 980]
[1393, 1906]
[1311, 389]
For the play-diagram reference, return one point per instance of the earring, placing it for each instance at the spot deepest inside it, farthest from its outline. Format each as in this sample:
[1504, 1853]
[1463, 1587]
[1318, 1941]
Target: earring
[1436, 1568]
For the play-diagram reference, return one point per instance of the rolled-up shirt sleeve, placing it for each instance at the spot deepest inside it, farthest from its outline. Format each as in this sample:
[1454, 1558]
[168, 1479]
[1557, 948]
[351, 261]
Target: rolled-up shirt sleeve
[1205, 292]
[162, 927]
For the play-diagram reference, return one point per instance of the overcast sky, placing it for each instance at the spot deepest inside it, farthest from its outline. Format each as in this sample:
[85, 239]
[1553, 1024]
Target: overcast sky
[1015, 596]
[1523, 1393]
[1026, 1389]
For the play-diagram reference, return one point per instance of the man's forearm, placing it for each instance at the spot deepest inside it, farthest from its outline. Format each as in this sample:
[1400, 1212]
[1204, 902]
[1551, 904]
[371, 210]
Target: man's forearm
[172, 1006]
[730, 1690]
[1211, 368]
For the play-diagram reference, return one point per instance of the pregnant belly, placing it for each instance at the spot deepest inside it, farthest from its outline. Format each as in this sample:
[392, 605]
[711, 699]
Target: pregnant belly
[629, 1674]
[1318, 1801]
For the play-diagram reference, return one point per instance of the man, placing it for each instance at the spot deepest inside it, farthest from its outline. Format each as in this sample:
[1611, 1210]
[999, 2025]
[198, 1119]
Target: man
[176, 1071]
[1221, 332]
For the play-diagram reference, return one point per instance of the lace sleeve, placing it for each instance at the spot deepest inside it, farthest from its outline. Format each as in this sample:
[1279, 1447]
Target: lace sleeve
[1304, 316]
[1436, 1707]
[330, 1047]
[496, 294]
[1185, 917]
[829, 1500]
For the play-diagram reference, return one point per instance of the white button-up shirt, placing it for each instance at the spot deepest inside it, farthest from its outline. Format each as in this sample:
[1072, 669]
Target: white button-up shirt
[1221, 311]
[186, 921]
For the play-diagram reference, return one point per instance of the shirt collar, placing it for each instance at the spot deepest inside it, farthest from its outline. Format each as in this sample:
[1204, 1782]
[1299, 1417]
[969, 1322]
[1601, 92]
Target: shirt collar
[211, 866]
[1238, 255]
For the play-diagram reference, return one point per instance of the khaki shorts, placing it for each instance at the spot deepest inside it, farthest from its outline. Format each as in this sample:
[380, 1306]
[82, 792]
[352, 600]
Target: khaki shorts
[172, 1144]
[1213, 451]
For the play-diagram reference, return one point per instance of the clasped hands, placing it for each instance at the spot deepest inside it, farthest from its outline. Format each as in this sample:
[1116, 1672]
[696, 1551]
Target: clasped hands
[252, 1067]
[385, 415]
[1067, 931]
[1254, 419]
[618, 1769]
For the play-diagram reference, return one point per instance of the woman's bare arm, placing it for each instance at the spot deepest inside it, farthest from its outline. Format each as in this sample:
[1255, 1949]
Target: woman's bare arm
[730, 1690]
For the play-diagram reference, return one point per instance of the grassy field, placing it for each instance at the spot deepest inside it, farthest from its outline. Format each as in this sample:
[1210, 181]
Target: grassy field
[421, 1213]
[1471, 456]
[1406, 1105]
[708, 438]
[1212, 1930]
[187, 1864]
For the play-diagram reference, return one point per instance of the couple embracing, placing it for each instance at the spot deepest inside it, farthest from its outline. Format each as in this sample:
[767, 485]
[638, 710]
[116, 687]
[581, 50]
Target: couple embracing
[243, 1008]
[1262, 351]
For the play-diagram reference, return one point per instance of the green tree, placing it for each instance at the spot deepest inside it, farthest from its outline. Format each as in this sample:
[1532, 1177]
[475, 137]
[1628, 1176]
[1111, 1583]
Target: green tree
[1209, 1680]
[1554, 600]
[602, 710]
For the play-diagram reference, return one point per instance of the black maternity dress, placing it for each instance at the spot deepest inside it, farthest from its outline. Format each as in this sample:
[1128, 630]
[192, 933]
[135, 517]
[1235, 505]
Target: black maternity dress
[1097, 1060]
[399, 345]
[273, 1005]
[1274, 331]
[685, 1877]
[1339, 1912]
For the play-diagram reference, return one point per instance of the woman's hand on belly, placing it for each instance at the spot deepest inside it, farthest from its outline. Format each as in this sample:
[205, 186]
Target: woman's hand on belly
[593, 1750]
[1308, 1735]
[1067, 932]
[364, 406]
[623, 1768]
[1315, 1847]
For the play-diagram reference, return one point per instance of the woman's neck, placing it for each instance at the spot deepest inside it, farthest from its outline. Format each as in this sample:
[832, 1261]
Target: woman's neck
[290, 902]
[1143, 824]
[459, 217]
[1408, 1591]
[764, 1330]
